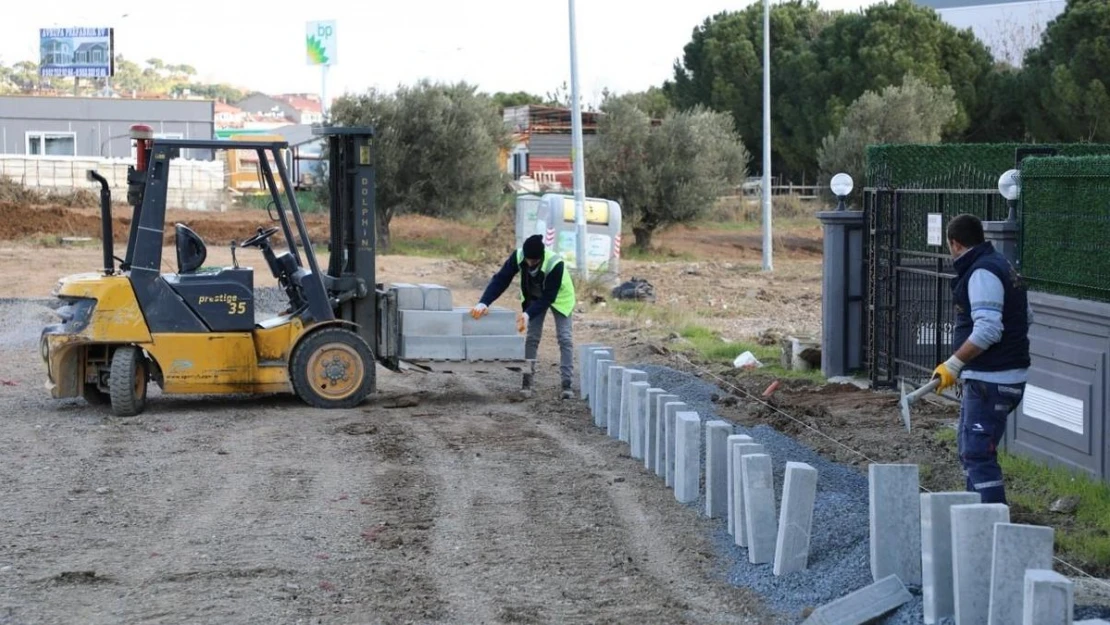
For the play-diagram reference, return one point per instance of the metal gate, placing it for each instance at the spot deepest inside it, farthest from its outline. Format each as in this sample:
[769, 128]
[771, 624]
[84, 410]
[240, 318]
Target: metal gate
[909, 302]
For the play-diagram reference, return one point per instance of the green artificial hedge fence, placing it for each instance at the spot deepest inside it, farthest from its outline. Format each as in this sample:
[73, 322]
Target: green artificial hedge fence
[1064, 210]
[1065, 225]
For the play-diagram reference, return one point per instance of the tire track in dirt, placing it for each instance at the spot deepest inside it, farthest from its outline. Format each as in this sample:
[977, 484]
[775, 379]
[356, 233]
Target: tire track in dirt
[535, 526]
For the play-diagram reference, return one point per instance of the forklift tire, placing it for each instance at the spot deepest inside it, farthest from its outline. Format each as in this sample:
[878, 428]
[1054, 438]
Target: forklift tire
[128, 381]
[332, 368]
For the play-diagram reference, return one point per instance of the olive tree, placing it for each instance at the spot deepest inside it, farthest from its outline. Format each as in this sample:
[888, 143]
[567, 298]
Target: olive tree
[436, 149]
[663, 174]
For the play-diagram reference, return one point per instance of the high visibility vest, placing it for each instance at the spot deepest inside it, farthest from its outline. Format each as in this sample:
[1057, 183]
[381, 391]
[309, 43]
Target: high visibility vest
[565, 300]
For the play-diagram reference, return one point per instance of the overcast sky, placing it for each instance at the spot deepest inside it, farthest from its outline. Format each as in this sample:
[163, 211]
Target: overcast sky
[500, 45]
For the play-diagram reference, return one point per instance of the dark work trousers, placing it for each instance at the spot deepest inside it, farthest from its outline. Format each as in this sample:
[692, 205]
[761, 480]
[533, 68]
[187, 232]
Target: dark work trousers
[984, 410]
[564, 336]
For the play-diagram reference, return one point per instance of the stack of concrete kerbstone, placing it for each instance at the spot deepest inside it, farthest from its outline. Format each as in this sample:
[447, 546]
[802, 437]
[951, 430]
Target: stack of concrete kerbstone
[433, 329]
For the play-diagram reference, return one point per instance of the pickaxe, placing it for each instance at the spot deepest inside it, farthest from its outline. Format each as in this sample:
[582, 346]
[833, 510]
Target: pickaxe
[913, 397]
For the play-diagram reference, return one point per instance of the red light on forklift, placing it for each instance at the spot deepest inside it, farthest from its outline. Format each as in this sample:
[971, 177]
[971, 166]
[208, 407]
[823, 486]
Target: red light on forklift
[142, 134]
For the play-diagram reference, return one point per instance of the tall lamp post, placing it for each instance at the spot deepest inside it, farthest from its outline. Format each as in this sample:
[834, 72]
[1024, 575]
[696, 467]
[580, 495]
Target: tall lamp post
[576, 153]
[767, 251]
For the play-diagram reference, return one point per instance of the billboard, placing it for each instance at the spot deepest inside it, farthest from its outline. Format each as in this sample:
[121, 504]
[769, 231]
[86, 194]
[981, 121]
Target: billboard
[77, 52]
[321, 45]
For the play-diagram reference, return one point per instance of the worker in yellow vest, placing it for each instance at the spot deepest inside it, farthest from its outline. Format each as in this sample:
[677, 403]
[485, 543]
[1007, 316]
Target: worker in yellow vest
[544, 283]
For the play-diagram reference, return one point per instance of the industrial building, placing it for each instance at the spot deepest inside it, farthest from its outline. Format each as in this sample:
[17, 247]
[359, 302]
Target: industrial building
[542, 144]
[1008, 27]
[91, 127]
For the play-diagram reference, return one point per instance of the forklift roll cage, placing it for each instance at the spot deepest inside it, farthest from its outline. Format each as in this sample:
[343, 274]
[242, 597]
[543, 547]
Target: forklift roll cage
[347, 292]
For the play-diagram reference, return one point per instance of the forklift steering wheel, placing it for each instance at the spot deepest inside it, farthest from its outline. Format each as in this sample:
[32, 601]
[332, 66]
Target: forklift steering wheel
[260, 237]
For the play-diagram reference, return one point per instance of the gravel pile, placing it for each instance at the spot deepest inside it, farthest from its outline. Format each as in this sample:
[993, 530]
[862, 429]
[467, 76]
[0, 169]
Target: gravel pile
[839, 560]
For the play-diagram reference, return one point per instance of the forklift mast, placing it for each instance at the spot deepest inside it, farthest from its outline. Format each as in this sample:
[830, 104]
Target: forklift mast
[352, 272]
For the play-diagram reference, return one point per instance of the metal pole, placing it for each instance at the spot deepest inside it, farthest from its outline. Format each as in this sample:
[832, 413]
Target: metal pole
[767, 264]
[576, 154]
[324, 90]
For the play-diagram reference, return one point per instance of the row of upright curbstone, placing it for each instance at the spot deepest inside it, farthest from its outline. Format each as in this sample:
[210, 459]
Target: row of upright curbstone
[971, 562]
[667, 435]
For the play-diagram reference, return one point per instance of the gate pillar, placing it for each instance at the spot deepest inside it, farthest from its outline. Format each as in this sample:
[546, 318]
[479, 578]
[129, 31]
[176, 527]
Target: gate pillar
[1004, 236]
[842, 292]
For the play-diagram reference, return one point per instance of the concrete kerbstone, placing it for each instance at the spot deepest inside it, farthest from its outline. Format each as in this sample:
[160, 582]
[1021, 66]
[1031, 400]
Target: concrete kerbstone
[409, 296]
[494, 347]
[937, 595]
[436, 297]
[670, 410]
[584, 351]
[716, 468]
[688, 457]
[972, 547]
[1048, 598]
[1017, 548]
[629, 376]
[661, 433]
[613, 398]
[864, 605]
[601, 392]
[596, 356]
[895, 522]
[733, 439]
[759, 507]
[651, 428]
[433, 347]
[739, 507]
[496, 322]
[431, 323]
[799, 494]
[637, 395]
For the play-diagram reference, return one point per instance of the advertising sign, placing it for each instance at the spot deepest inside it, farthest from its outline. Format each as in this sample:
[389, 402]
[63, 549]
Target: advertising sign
[77, 52]
[320, 43]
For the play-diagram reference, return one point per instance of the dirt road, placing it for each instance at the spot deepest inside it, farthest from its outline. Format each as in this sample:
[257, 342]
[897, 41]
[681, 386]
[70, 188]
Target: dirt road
[462, 508]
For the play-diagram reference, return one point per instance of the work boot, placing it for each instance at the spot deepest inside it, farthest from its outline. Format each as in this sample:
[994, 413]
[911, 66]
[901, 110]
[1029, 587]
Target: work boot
[567, 394]
[525, 388]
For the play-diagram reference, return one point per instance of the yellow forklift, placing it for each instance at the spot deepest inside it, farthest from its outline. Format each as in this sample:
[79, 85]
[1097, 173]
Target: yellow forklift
[194, 331]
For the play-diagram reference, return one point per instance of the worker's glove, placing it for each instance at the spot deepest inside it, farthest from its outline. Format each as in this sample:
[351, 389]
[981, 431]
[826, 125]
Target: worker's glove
[522, 322]
[479, 311]
[948, 372]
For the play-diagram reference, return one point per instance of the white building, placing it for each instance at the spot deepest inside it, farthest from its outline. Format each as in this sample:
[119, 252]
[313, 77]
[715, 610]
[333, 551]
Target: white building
[1007, 27]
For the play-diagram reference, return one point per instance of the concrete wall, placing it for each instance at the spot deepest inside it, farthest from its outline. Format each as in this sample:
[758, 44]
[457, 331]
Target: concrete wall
[99, 126]
[193, 185]
[1062, 417]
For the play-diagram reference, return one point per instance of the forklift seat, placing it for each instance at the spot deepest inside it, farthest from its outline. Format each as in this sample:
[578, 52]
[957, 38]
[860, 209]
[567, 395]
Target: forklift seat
[191, 251]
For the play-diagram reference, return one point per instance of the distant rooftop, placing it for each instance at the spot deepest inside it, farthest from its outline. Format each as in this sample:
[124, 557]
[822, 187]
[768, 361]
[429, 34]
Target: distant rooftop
[960, 4]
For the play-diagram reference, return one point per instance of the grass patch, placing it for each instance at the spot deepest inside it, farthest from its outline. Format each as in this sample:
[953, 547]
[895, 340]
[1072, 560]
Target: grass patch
[435, 247]
[711, 347]
[658, 255]
[1083, 537]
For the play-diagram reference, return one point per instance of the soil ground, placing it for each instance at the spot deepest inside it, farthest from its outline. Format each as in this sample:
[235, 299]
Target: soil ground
[442, 500]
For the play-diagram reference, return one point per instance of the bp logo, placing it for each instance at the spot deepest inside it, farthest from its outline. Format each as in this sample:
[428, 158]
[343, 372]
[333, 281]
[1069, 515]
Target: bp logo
[320, 43]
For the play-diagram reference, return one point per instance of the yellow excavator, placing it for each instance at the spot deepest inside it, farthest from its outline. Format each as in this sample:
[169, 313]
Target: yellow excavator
[194, 331]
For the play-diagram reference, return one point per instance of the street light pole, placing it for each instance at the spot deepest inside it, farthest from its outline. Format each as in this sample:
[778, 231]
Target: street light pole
[576, 153]
[767, 262]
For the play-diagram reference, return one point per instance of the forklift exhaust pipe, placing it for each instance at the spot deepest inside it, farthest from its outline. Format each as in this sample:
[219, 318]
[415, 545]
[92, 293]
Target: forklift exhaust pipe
[105, 220]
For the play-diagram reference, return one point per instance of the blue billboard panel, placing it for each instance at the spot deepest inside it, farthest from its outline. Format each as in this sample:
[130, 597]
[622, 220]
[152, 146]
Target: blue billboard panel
[77, 52]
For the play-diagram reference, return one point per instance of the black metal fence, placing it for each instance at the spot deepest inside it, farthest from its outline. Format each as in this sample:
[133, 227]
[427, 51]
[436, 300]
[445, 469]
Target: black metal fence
[908, 267]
